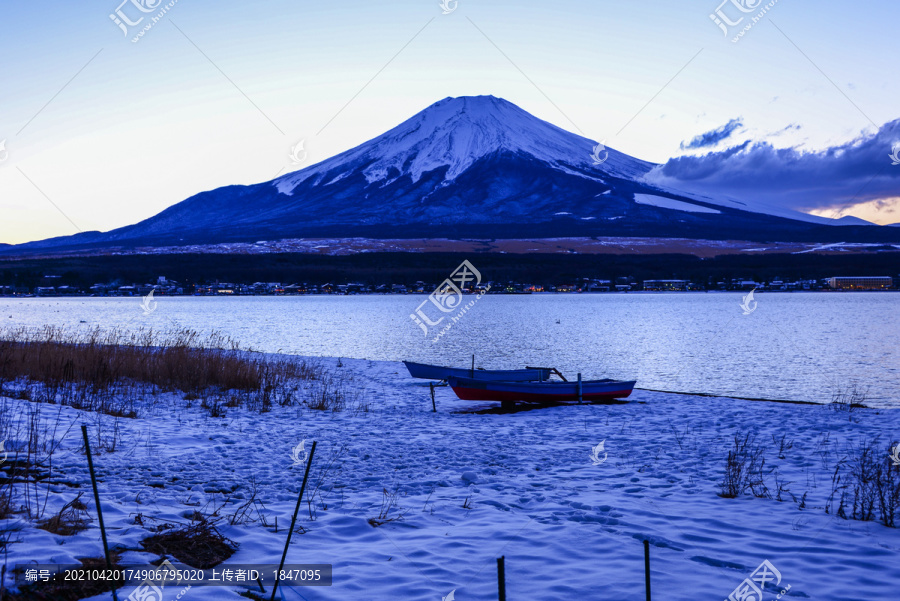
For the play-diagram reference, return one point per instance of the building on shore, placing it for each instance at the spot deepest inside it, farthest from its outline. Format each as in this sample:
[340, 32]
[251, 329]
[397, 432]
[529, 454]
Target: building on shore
[658, 285]
[861, 283]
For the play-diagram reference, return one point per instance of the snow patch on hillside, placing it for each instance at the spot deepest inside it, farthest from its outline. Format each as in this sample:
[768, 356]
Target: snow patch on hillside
[670, 203]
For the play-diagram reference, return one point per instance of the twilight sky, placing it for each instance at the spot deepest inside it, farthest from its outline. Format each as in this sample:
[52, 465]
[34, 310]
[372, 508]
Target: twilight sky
[101, 132]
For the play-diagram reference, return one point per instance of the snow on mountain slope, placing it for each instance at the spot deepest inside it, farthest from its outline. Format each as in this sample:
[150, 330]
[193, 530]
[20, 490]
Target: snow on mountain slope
[457, 132]
[668, 203]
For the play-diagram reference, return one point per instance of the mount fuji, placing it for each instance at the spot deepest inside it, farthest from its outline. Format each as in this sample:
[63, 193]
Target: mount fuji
[467, 167]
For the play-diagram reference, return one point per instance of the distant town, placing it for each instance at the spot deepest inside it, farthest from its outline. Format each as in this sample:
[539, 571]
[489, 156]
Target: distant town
[52, 287]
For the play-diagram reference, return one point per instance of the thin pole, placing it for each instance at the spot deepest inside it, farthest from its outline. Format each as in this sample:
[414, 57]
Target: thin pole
[87, 448]
[579, 389]
[472, 371]
[433, 406]
[501, 577]
[647, 567]
[312, 451]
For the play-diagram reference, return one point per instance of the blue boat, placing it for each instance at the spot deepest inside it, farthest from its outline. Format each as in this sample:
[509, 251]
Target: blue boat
[435, 372]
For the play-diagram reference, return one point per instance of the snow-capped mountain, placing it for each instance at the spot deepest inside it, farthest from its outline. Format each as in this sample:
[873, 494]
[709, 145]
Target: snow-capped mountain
[455, 134]
[468, 167]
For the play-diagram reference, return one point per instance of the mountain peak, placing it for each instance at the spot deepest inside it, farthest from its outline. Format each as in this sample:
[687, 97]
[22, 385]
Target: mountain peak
[496, 121]
[455, 133]
[480, 105]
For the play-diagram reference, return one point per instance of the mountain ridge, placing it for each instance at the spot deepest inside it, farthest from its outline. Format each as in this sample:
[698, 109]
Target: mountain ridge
[473, 167]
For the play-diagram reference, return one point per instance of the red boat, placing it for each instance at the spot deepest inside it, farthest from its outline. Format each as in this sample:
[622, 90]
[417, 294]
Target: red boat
[468, 389]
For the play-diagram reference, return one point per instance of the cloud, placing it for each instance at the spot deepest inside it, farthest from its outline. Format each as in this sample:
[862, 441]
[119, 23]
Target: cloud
[791, 127]
[713, 137]
[856, 172]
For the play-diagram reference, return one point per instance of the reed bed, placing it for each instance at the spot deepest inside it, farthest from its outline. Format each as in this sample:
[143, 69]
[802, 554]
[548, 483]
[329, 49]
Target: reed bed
[110, 370]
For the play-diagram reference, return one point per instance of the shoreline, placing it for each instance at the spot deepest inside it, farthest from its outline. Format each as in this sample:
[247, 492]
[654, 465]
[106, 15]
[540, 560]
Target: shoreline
[472, 486]
[466, 293]
[743, 398]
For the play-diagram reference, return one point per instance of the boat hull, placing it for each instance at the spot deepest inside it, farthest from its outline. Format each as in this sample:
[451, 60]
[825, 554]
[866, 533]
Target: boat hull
[435, 372]
[468, 389]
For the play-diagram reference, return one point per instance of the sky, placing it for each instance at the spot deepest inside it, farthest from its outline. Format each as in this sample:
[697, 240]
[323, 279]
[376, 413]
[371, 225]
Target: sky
[100, 128]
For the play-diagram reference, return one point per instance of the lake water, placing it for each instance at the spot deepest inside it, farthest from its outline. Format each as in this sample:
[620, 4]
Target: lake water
[797, 346]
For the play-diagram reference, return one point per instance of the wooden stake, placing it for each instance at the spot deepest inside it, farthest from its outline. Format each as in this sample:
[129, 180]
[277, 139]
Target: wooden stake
[433, 406]
[312, 451]
[579, 389]
[501, 578]
[647, 567]
[87, 449]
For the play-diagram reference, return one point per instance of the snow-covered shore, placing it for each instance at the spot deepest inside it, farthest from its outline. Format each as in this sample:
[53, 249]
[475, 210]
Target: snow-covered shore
[568, 528]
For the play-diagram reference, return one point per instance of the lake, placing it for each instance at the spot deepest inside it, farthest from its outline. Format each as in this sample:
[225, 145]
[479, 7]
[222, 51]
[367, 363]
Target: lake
[796, 346]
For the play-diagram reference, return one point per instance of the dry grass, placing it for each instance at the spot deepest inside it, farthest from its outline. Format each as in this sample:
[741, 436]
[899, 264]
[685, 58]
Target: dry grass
[849, 396]
[335, 392]
[250, 511]
[744, 469]
[31, 440]
[199, 545]
[109, 371]
[865, 485]
[389, 511]
[71, 519]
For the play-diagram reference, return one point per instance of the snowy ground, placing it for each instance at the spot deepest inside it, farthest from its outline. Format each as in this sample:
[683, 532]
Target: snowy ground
[569, 529]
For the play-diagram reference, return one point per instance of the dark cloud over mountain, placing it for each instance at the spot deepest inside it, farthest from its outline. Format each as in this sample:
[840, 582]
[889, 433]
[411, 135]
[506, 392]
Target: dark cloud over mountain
[858, 171]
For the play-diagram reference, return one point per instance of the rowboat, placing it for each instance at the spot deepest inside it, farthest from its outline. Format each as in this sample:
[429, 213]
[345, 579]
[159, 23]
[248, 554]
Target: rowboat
[469, 389]
[435, 372]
